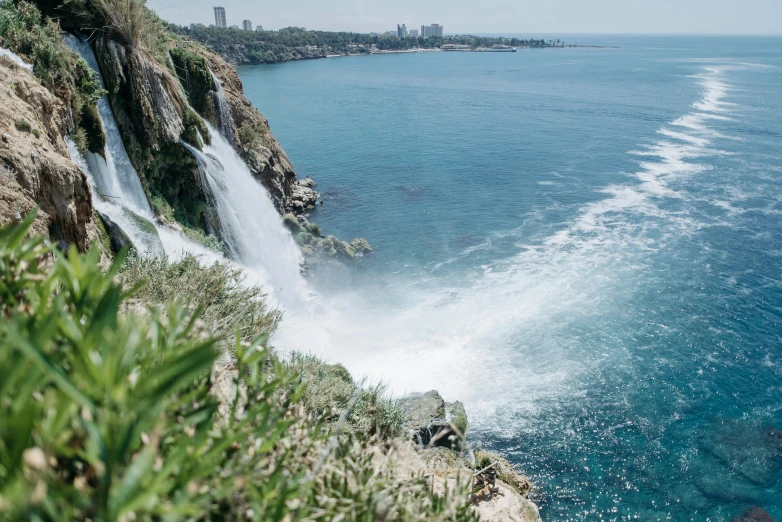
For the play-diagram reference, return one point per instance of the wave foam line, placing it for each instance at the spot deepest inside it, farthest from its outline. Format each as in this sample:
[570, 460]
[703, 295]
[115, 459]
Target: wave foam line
[473, 340]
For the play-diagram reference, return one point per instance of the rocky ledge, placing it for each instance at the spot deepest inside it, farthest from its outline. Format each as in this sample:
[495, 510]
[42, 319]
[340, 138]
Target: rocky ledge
[437, 432]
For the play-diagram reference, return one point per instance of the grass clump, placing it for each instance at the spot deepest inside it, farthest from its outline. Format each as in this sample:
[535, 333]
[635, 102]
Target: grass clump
[229, 306]
[23, 125]
[329, 390]
[130, 22]
[106, 415]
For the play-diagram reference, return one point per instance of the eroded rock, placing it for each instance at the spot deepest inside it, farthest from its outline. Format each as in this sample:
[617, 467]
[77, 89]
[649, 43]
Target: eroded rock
[432, 422]
[35, 168]
[117, 237]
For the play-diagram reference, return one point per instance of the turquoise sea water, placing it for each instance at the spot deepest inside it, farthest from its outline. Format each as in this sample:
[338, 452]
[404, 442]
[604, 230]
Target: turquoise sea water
[583, 245]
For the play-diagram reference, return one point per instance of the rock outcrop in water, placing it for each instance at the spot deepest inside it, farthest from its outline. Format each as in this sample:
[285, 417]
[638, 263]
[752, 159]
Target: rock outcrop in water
[433, 422]
[35, 169]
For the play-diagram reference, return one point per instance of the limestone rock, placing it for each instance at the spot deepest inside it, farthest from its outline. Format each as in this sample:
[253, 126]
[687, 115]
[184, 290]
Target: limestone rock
[428, 420]
[35, 168]
[302, 197]
[146, 98]
[506, 506]
[505, 471]
[361, 246]
[117, 237]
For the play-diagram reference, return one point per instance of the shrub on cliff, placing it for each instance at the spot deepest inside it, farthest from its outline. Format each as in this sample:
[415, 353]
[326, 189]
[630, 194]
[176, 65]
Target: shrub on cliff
[106, 415]
[38, 39]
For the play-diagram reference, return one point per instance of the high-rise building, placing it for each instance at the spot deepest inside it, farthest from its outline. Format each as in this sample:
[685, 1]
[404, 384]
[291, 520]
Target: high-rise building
[247, 25]
[413, 33]
[401, 31]
[431, 30]
[220, 17]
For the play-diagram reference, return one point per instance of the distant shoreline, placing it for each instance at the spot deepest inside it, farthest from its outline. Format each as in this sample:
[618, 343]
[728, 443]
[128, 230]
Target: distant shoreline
[487, 50]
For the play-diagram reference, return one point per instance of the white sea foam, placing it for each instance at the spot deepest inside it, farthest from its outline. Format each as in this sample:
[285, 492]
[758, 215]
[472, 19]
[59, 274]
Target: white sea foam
[500, 341]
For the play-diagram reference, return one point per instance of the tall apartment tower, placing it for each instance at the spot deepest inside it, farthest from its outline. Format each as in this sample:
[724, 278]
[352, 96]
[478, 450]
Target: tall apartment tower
[401, 31]
[247, 25]
[220, 17]
[431, 30]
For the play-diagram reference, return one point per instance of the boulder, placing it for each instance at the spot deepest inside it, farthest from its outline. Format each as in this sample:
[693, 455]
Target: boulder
[361, 246]
[505, 471]
[117, 237]
[506, 505]
[432, 422]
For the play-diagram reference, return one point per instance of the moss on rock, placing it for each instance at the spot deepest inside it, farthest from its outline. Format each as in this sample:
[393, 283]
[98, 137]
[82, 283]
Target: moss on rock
[91, 123]
[196, 79]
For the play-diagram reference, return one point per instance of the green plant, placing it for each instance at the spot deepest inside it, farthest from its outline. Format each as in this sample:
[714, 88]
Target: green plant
[23, 125]
[248, 136]
[129, 22]
[228, 305]
[315, 230]
[109, 414]
[39, 39]
[329, 390]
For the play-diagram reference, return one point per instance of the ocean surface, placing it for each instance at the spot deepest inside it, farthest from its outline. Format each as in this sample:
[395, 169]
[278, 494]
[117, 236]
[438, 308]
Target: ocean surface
[583, 245]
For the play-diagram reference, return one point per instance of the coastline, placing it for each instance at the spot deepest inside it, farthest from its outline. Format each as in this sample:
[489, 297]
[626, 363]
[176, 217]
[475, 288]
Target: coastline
[438, 50]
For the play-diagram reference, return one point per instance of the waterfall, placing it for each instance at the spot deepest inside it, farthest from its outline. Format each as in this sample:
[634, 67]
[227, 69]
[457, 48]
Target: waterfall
[115, 176]
[16, 59]
[116, 188]
[223, 111]
[249, 224]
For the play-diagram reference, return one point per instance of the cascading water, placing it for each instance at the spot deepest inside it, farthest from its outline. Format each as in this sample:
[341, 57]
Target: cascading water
[249, 224]
[114, 175]
[223, 110]
[117, 191]
[16, 59]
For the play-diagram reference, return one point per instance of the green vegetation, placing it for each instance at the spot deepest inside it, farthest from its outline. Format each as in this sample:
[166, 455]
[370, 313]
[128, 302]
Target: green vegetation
[112, 407]
[196, 79]
[318, 249]
[295, 43]
[39, 41]
[23, 125]
[193, 230]
[229, 306]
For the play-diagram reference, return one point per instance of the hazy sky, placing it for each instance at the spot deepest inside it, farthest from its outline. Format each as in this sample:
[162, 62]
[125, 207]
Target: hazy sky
[493, 16]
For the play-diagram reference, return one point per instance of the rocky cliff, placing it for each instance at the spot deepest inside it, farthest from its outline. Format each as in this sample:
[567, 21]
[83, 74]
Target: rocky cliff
[35, 168]
[248, 128]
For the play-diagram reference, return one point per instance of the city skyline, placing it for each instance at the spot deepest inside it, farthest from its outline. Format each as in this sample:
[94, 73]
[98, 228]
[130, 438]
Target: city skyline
[560, 17]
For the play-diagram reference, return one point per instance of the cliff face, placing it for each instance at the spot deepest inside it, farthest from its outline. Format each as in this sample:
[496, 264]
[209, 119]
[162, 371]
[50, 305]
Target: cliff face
[264, 155]
[35, 168]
